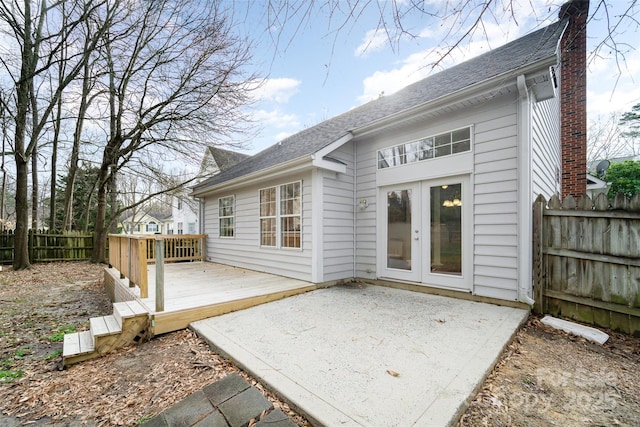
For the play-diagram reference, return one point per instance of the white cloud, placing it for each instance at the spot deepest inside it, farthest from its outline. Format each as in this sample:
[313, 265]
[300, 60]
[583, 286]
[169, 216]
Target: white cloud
[421, 64]
[276, 118]
[278, 90]
[612, 90]
[374, 40]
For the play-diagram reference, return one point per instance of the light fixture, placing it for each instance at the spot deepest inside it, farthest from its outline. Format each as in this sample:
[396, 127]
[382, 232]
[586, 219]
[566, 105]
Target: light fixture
[363, 204]
[447, 203]
[444, 187]
[457, 202]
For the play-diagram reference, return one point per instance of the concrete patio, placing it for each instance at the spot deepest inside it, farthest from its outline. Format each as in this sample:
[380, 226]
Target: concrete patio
[368, 355]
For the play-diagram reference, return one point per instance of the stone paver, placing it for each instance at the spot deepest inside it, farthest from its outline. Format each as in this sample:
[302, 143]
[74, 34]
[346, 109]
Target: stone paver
[190, 410]
[229, 402]
[276, 418]
[245, 406]
[225, 389]
[215, 419]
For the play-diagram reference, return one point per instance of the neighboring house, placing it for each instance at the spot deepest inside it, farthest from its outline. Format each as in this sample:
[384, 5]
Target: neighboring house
[596, 186]
[597, 168]
[149, 223]
[431, 186]
[184, 208]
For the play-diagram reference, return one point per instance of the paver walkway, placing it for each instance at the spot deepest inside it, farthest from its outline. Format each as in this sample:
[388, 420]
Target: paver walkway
[230, 402]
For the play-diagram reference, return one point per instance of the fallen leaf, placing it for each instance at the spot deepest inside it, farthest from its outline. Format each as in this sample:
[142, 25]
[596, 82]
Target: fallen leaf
[393, 373]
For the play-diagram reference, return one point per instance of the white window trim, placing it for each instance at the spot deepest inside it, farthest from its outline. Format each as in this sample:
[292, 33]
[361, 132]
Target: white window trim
[450, 132]
[279, 216]
[233, 216]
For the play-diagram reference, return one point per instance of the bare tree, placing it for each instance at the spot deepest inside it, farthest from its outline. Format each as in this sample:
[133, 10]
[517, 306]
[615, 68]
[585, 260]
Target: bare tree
[174, 81]
[36, 28]
[462, 21]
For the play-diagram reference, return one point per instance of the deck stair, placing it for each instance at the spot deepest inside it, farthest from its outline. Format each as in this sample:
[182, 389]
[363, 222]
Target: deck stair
[128, 324]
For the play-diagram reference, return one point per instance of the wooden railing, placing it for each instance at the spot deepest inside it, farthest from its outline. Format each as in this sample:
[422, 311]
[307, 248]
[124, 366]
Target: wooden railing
[131, 254]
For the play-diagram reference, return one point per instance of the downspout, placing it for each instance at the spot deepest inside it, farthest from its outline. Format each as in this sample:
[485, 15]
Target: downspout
[355, 210]
[525, 278]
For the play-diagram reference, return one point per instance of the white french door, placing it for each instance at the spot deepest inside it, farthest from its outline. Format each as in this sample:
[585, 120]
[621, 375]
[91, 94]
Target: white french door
[425, 232]
[400, 239]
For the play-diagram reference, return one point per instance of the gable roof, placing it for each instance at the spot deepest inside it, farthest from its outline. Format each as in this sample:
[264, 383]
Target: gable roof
[504, 61]
[226, 158]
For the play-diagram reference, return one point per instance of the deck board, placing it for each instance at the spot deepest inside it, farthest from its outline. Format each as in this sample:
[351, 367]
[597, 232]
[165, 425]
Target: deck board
[86, 342]
[112, 324]
[71, 344]
[197, 290]
[98, 326]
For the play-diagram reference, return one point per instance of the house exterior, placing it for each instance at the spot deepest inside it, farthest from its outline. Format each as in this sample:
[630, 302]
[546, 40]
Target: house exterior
[184, 209]
[431, 186]
[146, 223]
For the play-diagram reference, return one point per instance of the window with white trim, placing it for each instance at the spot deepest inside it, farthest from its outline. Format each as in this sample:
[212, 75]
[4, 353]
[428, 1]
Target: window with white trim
[226, 216]
[180, 228]
[268, 217]
[444, 144]
[152, 227]
[281, 216]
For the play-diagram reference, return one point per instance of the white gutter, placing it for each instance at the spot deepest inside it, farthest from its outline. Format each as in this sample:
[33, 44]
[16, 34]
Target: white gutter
[525, 278]
[279, 169]
[315, 159]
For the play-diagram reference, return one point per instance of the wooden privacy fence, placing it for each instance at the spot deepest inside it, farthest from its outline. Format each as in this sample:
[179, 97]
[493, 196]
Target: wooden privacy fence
[131, 254]
[45, 246]
[586, 260]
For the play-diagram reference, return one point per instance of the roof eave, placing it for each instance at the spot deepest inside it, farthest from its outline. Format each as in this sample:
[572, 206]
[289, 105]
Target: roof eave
[274, 171]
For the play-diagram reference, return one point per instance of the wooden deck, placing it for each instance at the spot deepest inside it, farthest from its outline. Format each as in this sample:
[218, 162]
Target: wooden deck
[198, 290]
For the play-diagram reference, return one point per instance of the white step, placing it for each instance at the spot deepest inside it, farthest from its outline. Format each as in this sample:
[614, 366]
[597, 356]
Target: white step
[77, 343]
[105, 325]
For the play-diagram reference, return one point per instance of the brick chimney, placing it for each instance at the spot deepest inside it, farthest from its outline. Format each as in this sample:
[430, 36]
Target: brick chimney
[573, 98]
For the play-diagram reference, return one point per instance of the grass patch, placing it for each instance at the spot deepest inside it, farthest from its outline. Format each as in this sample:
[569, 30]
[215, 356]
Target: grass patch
[21, 352]
[9, 376]
[53, 355]
[59, 335]
[143, 419]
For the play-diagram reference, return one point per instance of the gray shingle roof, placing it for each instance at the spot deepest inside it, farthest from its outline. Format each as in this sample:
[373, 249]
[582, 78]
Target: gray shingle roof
[504, 60]
[225, 158]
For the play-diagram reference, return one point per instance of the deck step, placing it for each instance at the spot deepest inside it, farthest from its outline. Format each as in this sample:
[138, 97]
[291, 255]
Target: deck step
[128, 324]
[77, 343]
[128, 309]
[105, 325]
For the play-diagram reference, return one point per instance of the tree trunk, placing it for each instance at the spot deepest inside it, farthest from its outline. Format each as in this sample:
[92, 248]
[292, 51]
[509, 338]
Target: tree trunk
[35, 189]
[113, 202]
[54, 169]
[21, 238]
[100, 228]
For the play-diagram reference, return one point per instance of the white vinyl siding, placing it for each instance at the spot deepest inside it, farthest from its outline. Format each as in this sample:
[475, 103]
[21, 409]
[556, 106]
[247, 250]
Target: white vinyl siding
[494, 182]
[495, 202]
[337, 219]
[545, 137]
[245, 250]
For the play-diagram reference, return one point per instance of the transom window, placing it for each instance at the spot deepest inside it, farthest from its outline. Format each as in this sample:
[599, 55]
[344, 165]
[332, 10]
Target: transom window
[226, 216]
[281, 216]
[445, 144]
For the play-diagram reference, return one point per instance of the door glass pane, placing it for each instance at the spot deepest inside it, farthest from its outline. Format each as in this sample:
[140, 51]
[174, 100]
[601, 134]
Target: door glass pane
[399, 229]
[446, 229]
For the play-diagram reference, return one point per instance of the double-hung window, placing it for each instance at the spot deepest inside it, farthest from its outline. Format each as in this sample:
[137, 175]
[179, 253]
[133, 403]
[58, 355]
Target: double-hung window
[281, 216]
[226, 216]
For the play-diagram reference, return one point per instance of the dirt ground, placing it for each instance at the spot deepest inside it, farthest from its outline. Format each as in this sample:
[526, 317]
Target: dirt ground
[544, 377]
[122, 389]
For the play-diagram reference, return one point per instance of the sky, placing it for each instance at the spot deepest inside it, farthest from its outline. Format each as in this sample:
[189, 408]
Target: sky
[314, 73]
